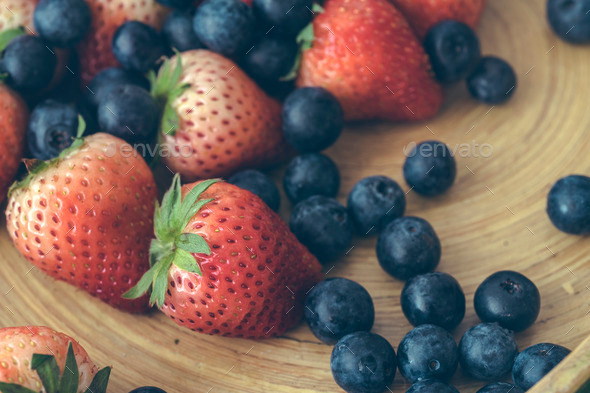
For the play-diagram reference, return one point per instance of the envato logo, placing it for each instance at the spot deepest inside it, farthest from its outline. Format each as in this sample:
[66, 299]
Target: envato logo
[146, 150]
[464, 150]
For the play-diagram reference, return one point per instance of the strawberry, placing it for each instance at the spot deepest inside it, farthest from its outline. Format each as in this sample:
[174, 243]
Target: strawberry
[366, 54]
[86, 218]
[423, 14]
[16, 13]
[225, 263]
[32, 357]
[13, 125]
[95, 50]
[216, 119]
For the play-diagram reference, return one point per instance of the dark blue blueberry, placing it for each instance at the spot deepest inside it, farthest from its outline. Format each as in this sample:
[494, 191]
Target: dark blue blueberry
[570, 19]
[311, 174]
[374, 202]
[493, 81]
[270, 58]
[432, 386]
[225, 26]
[108, 79]
[147, 389]
[28, 64]
[430, 168]
[568, 204]
[178, 31]
[312, 119]
[535, 362]
[487, 352]
[323, 226]
[288, 16]
[180, 4]
[51, 129]
[408, 247]
[259, 184]
[363, 362]
[453, 48]
[500, 387]
[427, 352]
[336, 307]
[62, 23]
[433, 298]
[130, 113]
[508, 298]
[137, 46]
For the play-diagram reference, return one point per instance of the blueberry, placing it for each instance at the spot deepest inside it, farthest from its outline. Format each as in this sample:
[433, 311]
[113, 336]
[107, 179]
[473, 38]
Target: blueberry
[431, 386]
[178, 32]
[535, 362]
[374, 202]
[180, 4]
[568, 204]
[487, 351]
[500, 387]
[430, 168]
[312, 119]
[270, 58]
[108, 79]
[311, 174]
[137, 46]
[62, 23]
[259, 184]
[225, 26]
[363, 362]
[407, 247]
[337, 307]
[289, 16]
[28, 64]
[493, 81]
[323, 226]
[570, 19]
[130, 113]
[453, 48]
[147, 389]
[427, 352]
[51, 129]
[433, 298]
[508, 298]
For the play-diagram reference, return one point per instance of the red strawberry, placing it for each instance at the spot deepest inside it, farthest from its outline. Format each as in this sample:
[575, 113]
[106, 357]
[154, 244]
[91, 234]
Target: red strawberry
[217, 120]
[32, 352]
[13, 125]
[423, 14]
[86, 218]
[366, 54]
[95, 50]
[226, 264]
[15, 13]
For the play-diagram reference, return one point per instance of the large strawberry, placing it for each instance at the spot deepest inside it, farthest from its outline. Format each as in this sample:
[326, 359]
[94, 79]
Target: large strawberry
[86, 217]
[16, 13]
[423, 14]
[366, 54]
[39, 359]
[216, 119]
[225, 263]
[13, 124]
[107, 15]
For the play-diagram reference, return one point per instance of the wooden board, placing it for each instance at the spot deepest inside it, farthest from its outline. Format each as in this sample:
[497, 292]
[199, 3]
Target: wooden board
[493, 218]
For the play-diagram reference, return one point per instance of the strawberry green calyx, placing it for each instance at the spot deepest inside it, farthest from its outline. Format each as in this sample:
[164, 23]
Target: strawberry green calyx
[173, 246]
[55, 382]
[8, 35]
[165, 88]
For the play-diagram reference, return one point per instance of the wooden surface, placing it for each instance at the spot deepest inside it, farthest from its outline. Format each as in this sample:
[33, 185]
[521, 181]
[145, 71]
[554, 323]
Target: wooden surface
[493, 218]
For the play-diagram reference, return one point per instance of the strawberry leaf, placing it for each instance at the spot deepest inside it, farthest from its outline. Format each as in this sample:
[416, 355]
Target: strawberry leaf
[143, 285]
[165, 88]
[170, 204]
[192, 243]
[192, 196]
[14, 388]
[100, 381]
[160, 282]
[8, 35]
[46, 367]
[186, 261]
[71, 376]
[316, 8]
[305, 41]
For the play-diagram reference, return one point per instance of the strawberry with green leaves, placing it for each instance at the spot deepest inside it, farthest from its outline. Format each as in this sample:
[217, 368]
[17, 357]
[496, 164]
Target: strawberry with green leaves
[366, 54]
[216, 119]
[38, 359]
[224, 263]
[86, 217]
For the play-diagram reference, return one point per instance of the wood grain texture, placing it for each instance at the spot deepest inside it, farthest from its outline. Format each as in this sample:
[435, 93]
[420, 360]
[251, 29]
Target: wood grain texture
[492, 219]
